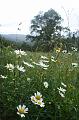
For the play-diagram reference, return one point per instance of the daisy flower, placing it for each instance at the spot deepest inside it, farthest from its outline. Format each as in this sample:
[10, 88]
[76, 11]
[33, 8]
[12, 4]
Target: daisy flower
[3, 77]
[20, 52]
[29, 65]
[62, 90]
[21, 68]
[46, 84]
[37, 99]
[75, 64]
[58, 50]
[10, 67]
[22, 110]
[44, 57]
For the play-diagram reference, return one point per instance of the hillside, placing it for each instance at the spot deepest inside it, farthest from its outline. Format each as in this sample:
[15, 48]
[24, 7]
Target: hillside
[15, 37]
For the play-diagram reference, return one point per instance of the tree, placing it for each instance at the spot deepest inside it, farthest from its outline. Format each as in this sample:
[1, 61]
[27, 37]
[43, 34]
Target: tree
[45, 28]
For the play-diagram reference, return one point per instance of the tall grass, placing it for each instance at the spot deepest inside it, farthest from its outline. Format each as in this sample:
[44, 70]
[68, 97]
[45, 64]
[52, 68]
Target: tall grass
[17, 87]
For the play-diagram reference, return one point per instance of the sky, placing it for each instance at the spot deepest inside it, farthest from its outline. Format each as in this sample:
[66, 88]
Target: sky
[14, 12]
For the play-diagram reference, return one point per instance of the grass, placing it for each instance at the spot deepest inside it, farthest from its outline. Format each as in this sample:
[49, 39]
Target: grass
[17, 89]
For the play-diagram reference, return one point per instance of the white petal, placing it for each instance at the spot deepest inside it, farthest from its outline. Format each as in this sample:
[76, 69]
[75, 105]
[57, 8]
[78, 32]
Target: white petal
[22, 115]
[19, 107]
[26, 110]
[63, 84]
[24, 106]
[62, 95]
[18, 113]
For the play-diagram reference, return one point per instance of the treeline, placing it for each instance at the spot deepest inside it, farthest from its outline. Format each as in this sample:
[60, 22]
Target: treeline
[64, 43]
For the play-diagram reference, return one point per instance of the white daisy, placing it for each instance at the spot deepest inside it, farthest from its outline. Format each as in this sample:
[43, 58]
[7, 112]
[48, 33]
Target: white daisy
[44, 57]
[4, 77]
[37, 99]
[43, 65]
[22, 110]
[74, 49]
[75, 64]
[10, 67]
[62, 90]
[21, 68]
[29, 65]
[28, 79]
[38, 96]
[20, 52]
[46, 84]
[64, 51]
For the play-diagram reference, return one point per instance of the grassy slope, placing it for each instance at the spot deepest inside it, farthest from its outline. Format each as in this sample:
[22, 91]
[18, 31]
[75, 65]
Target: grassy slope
[16, 89]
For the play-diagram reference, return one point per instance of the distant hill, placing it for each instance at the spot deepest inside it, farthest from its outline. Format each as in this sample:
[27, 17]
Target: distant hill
[15, 37]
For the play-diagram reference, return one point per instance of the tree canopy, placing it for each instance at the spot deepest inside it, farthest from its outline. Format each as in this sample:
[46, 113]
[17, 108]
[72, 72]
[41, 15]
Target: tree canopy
[45, 27]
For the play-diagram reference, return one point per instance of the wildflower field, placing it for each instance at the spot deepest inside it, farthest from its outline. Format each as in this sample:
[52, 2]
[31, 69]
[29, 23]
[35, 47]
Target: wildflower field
[39, 86]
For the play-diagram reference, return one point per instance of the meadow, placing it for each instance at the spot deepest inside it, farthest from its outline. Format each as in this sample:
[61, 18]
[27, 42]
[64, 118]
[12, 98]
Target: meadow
[38, 85]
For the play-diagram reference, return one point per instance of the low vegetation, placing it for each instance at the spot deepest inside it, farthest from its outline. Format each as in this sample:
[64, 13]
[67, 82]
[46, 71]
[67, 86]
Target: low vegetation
[37, 85]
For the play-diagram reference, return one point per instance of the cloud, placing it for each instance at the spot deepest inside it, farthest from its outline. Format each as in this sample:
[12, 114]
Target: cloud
[15, 11]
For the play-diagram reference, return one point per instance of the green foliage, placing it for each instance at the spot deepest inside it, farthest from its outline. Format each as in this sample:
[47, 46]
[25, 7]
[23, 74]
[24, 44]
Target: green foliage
[4, 42]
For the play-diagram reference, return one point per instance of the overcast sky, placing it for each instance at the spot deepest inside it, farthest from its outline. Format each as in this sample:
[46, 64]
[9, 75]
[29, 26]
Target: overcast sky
[12, 12]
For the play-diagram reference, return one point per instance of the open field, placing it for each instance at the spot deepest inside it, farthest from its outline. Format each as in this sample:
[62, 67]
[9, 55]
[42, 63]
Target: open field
[54, 77]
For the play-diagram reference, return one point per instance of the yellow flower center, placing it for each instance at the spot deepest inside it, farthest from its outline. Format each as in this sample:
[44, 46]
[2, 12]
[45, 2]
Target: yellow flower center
[21, 110]
[58, 50]
[39, 103]
[38, 97]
